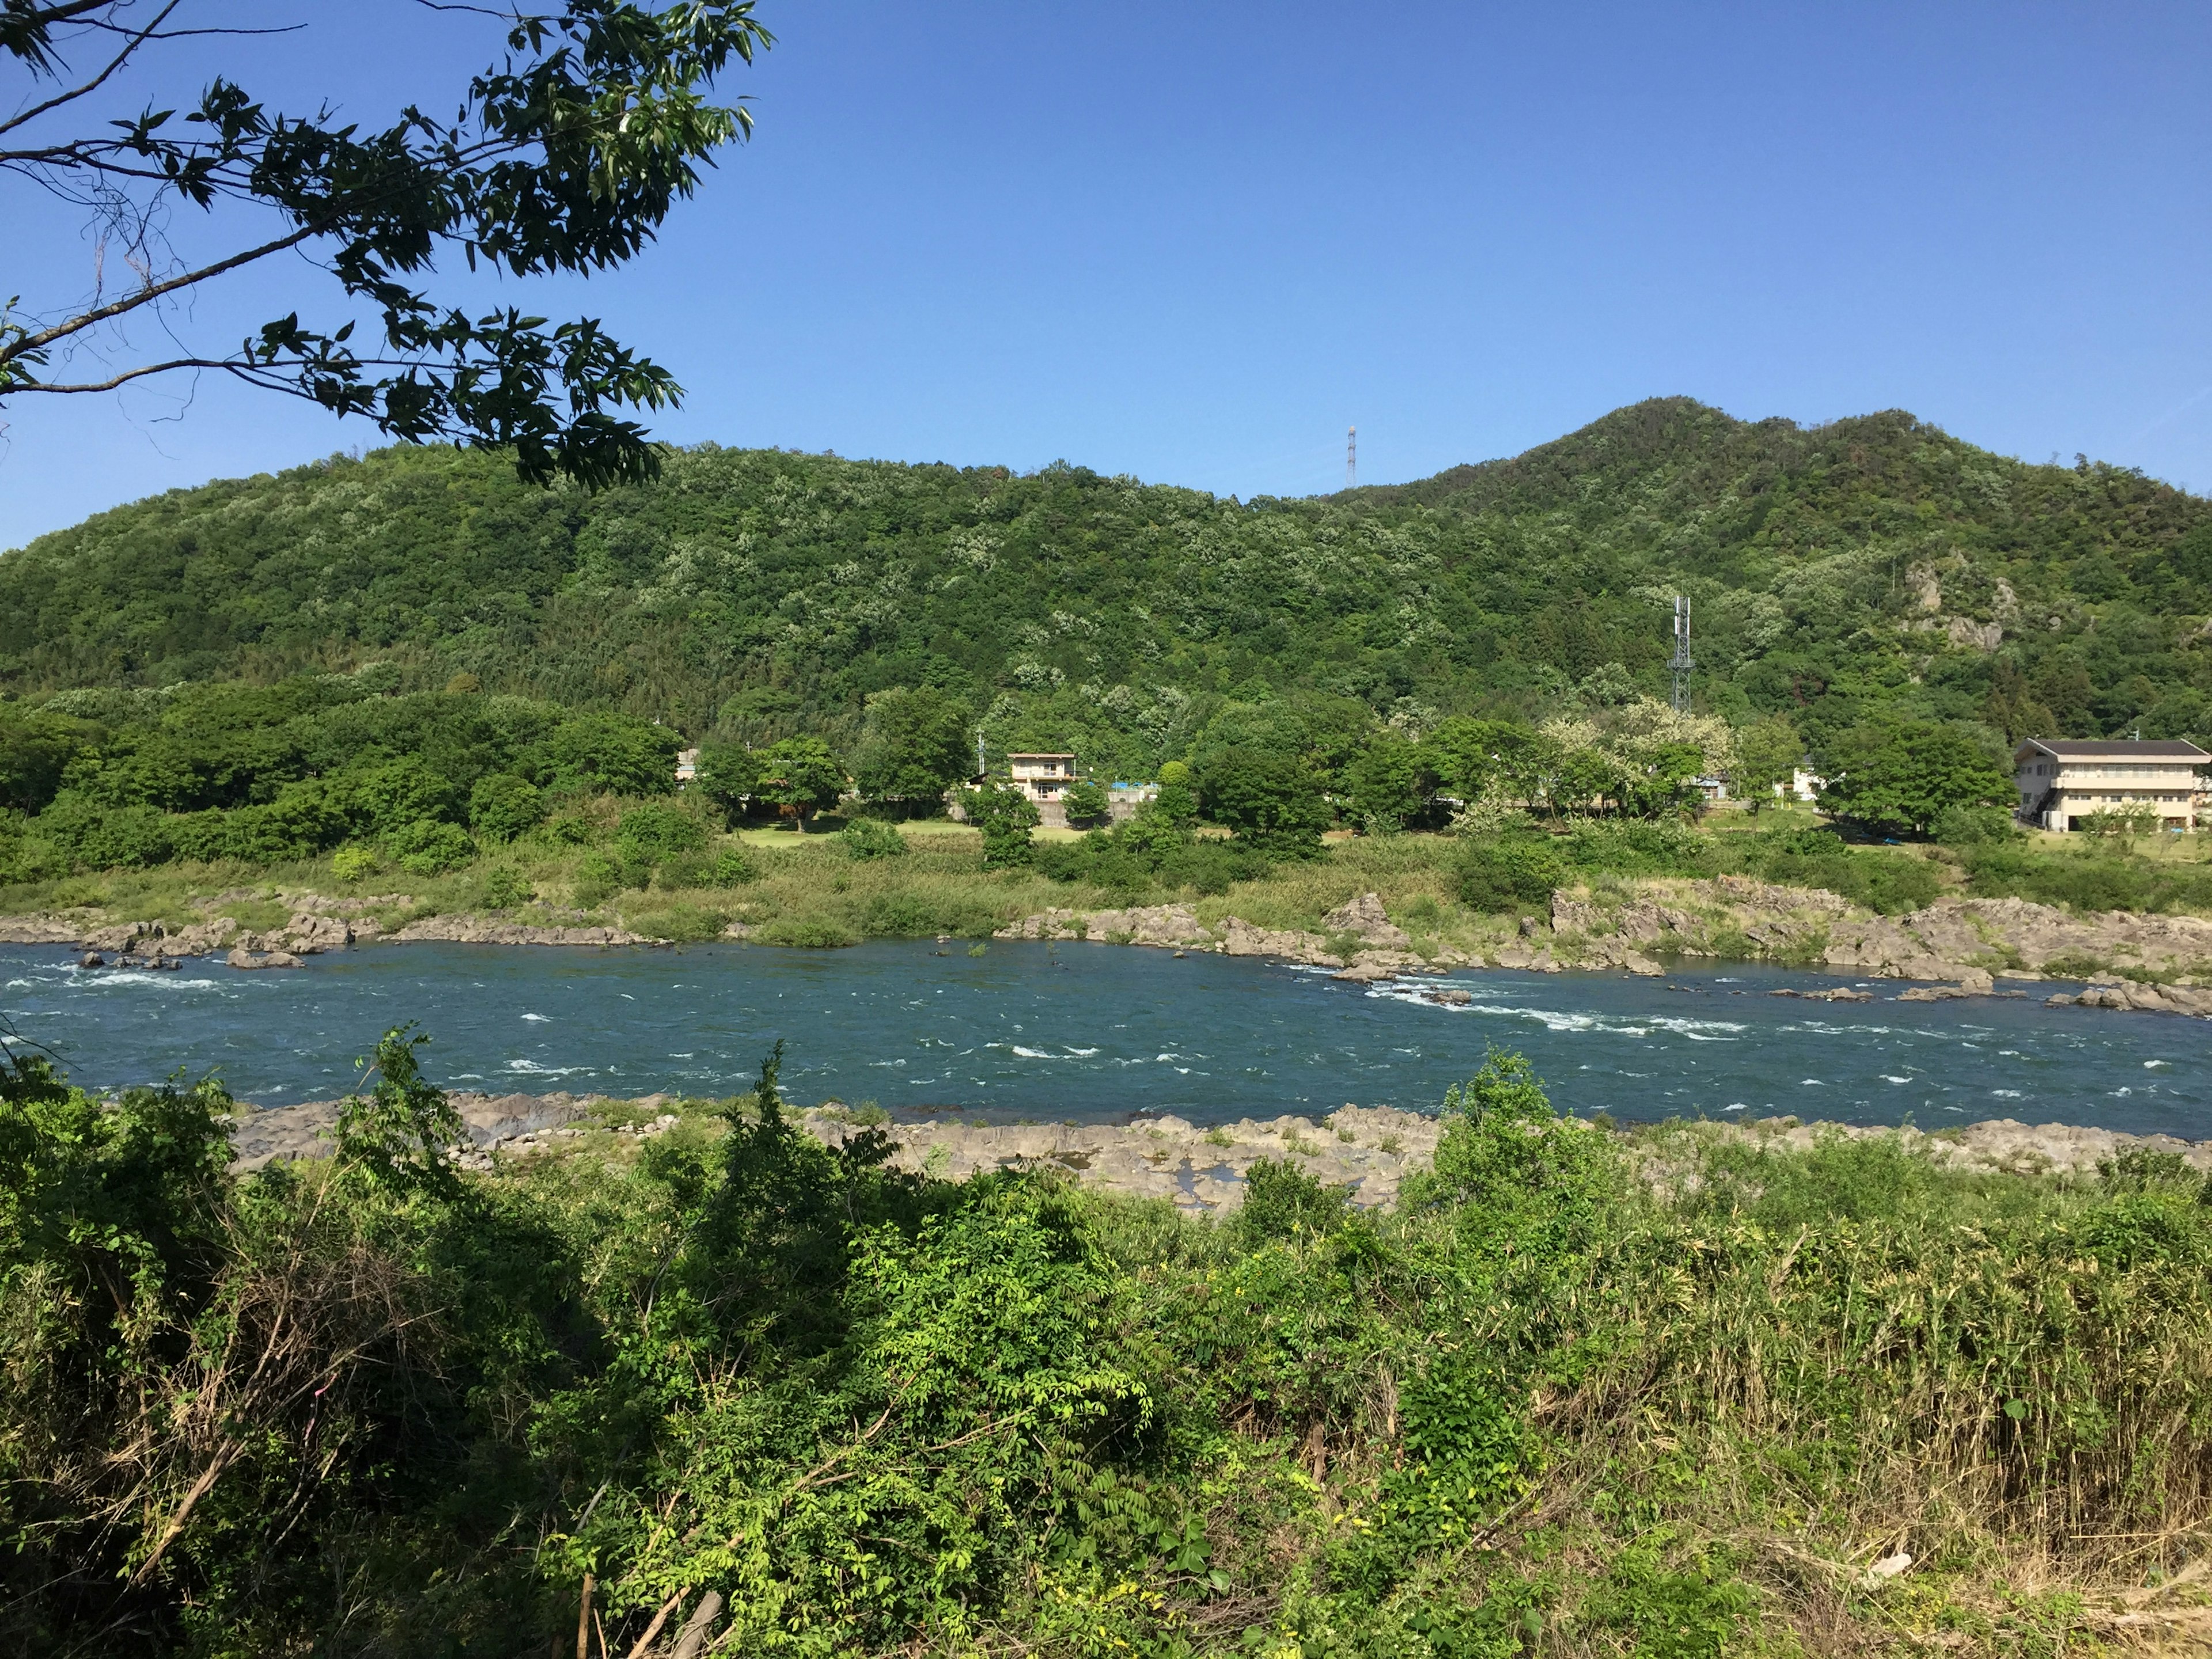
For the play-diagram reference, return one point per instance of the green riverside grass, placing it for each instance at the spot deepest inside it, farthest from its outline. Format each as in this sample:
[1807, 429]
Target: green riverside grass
[808, 891]
[1664, 1395]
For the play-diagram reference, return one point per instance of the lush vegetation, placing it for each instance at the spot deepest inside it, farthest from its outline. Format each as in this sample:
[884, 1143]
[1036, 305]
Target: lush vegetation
[1838, 573]
[411, 664]
[1566, 1399]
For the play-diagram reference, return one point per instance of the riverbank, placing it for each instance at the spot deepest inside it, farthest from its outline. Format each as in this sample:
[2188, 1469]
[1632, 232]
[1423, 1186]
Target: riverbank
[1961, 947]
[1621, 925]
[1371, 908]
[1367, 1153]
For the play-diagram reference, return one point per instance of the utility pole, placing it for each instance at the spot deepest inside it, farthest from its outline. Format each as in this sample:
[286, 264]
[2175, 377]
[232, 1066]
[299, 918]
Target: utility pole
[981, 770]
[1682, 663]
[1351, 458]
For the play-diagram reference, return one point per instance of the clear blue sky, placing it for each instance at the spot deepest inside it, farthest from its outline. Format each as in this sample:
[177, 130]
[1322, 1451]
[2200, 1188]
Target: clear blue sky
[1194, 242]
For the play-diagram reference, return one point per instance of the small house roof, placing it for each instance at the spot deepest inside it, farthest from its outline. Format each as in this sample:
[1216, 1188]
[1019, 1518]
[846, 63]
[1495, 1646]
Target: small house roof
[1040, 754]
[2103, 749]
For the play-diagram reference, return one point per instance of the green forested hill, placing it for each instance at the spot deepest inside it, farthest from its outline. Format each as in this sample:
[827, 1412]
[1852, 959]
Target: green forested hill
[1874, 561]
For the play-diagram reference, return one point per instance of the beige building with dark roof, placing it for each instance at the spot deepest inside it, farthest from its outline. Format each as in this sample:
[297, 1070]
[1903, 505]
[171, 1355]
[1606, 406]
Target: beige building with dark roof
[1042, 777]
[2063, 778]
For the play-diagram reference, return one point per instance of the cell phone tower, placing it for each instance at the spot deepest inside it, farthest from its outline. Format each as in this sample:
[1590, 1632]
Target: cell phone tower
[1683, 662]
[1351, 458]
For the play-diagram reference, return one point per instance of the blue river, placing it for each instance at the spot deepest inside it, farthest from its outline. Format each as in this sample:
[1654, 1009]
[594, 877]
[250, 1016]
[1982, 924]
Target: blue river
[1094, 1031]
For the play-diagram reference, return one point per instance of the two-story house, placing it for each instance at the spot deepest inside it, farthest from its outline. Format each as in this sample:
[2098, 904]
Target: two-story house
[1042, 778]
[2063, 778]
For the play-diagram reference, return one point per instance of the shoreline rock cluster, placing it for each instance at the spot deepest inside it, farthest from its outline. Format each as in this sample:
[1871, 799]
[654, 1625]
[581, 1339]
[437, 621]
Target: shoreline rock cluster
[1367, 1150]
[317, 924]
[1963, 946]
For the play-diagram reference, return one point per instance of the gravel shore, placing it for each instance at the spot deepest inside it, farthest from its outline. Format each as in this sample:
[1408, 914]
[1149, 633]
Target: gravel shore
[1368, 1150]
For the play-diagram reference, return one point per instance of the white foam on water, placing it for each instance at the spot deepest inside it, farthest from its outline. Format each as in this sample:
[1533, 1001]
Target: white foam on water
[1885, 1077]
[1030, 1054]
[1081, 1054]
[531, 1068]
[2153, 1064]
[539, 1019]
[146, 978]
[1564, 1021]
[2006, 1094]
[1811, 1083]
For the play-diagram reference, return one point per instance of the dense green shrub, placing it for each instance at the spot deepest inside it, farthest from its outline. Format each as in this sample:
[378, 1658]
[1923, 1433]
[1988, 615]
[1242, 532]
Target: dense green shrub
[1005, 815]
[2090, 878]
[655, 832]
[503, 805]
[1892, 883]
[1638, 847]
[429, 848]
[1510, 872]
[725, 866]
[1150, 853]
[867, 839]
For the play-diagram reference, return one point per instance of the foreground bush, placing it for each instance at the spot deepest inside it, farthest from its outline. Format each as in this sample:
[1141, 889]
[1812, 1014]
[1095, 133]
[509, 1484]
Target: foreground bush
[380, 1406]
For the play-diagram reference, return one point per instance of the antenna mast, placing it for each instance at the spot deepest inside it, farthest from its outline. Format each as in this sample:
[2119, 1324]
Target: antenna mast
[1351, 458]
[1682, 663]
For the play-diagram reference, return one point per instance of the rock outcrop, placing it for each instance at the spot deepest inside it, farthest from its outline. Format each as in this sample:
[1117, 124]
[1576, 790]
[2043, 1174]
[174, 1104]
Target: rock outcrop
[490, 1120]
[1961, 940]
[490, 930]
[2128, 994]
[1368, 1150]
[1698, 918]
[1998, 1146]
[1364, 918]
[1170, 925]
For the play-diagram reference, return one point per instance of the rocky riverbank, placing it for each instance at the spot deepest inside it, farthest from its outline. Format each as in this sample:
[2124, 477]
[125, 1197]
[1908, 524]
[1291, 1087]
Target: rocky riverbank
[2145, 963]
[1366, 1150]
[315, 924]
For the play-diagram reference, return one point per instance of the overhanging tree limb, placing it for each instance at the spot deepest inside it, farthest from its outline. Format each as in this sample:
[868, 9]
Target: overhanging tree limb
[566, 155]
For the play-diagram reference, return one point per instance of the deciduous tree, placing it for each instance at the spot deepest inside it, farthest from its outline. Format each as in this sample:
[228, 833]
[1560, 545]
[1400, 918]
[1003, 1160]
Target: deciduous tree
[1903, 776]
[565, 156]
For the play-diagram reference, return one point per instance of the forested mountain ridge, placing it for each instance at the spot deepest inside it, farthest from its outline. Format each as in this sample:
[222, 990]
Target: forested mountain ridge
[1872, 563]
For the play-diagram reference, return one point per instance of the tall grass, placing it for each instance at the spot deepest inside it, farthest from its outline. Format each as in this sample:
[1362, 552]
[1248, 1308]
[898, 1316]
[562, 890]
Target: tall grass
[380, 1407]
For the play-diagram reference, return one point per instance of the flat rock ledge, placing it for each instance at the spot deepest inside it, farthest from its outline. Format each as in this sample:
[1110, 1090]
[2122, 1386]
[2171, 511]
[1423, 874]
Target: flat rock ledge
[1362, 944]
[1367, 1151]
[1964, 945]
[490, 930]
[316, 925]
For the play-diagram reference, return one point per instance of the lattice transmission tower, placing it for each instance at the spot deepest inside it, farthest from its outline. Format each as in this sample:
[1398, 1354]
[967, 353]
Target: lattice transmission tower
[1682, 663]
[1351, 458]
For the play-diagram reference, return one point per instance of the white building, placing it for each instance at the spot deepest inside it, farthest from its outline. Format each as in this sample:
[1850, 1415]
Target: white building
[2061, 780]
